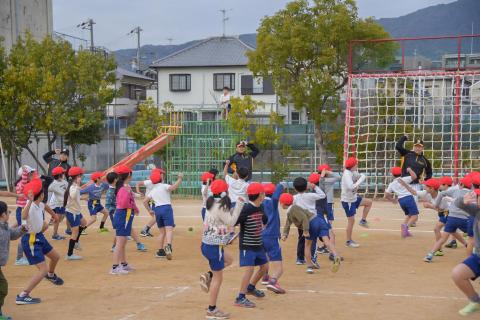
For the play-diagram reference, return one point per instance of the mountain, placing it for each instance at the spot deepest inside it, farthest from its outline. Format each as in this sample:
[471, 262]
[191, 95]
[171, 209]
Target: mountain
[440, 20]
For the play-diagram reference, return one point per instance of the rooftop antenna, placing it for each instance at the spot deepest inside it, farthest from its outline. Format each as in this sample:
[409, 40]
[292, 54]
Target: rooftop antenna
[137, 30]
[88, 25]
[170, 41]
[225, 19]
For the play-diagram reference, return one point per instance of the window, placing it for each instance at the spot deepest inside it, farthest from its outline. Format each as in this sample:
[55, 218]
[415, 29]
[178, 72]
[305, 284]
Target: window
[221, 80]
[180, 82]
[257, 85]
[295, 117]
[132, 91]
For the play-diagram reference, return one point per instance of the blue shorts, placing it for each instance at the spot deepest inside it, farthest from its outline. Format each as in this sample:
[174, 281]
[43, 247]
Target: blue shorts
[204, 210]
[473, 262]
[442, 216]
[122, 222]
[214, 255]
[35, 246]
[59, 210]
[110, 214]
[330, 216]
[18, 215]
[351, 207]
[272, 248]
[94, 207]
[471, 222]
[164, 216]
[455, 223]
[251, 258]
[73, 219]
[408, 205]
[318, 228]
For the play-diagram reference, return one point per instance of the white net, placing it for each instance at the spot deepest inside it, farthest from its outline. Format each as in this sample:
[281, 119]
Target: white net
[442, 109]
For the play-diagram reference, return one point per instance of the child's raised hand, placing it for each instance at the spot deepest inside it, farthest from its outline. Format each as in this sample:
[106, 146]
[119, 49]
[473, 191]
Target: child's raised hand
[180, 175]
[227, 162]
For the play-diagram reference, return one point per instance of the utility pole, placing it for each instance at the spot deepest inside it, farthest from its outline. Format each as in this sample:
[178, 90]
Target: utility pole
[137, 30]
[170, 41]
[88, 25]
[224, 19]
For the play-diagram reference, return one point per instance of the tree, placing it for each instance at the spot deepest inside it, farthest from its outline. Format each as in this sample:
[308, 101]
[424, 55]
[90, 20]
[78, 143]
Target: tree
[148, 122]
[304, 48]
[86, 135]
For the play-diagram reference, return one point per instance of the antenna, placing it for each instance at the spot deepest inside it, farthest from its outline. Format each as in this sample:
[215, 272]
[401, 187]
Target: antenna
[224, 19]
[170, 40]
[137, 30]
[88, 25]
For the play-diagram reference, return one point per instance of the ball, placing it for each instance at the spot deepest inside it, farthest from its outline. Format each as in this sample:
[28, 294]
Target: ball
[190, 229]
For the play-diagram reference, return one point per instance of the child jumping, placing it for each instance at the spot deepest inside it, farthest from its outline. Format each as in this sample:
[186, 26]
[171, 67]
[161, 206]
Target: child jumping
[57, 190]
[237, 184]
[94, 192]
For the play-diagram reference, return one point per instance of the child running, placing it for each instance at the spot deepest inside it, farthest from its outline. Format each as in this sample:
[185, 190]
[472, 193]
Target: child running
[237, 185]
[148, 187]
[219, 217]
[34, 243]
[351, 201]
[57, 190]
[161, 196]
[94, 192]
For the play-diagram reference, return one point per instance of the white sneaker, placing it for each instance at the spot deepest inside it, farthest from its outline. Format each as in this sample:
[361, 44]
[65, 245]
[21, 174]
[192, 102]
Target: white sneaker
[73, 257]
[118, 271]
[352, 244]
[22, 262]
[127, 268]
[78, 246]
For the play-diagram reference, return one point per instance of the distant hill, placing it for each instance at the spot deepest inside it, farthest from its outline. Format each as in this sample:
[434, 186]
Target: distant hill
[444, 19]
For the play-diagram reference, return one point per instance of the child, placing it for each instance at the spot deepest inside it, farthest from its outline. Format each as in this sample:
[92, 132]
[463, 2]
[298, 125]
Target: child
[73, 211]
[237, 185]
[445, 183]
[111, 204]
[123, 219]
[94, 192]
[457, 218]
[405, 194]
[327, 181]
[6, 234]
[219, 217]
[26, 174]
[160, 194]
[271, 236]
[475, 178]
[469, 270]
[318, 226]
[207, 179]
[252, 254]
[351, 201]
[57, 190]
[148, 187]
[34, 243]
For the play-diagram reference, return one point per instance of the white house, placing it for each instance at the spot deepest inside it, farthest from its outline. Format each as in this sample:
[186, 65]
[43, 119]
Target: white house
[193, 79]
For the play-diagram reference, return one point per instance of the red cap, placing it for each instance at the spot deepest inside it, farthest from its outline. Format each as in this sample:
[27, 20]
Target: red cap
[122, 169]
[446, 180]
[467, 182]
[396, 171]
[255, 188]
[161, 170]
[351, 162]
[96, 175]
[475, 177]
[35, 186]
[269, 188]
[286, 199]
[314, 178]
[218, 186]
[432, 183]
[207, 176]
[324, 167]
[57, 170]
[477, 192]
[75, 171]
[156, 176]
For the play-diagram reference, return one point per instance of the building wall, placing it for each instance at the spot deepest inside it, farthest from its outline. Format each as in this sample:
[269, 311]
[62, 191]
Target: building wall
[19, 16]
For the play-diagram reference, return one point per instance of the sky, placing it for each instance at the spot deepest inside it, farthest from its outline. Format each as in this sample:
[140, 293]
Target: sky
[185, 20]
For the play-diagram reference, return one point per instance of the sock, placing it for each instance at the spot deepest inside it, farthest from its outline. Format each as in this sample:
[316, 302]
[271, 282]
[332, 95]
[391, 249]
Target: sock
[250, 287]
[23, 294]
[147, 229]
[475, 298]
[80, 230]
[50, 274]
[211, 308]
[241, 296]
[102, 224]
[114, 266]
[71, 245]
[211, 274]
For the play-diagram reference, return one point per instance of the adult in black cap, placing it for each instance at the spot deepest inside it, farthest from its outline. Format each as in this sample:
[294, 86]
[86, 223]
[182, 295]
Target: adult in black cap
[243, 159]
[415, 160]
[61, 160]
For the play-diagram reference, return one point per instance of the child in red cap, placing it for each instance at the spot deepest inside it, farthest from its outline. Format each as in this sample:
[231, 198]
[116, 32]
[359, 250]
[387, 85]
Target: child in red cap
[95, 191]
[207, 179]
[148, 187]
[57, 190]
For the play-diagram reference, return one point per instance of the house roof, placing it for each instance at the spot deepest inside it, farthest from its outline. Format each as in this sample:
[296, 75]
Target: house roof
[211, 52]
[120, 73]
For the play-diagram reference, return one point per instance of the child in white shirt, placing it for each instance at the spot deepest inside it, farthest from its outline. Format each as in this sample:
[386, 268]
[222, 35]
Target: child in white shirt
[237, 186]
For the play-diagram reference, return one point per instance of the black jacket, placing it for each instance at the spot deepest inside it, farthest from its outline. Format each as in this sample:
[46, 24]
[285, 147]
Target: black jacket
[239, 160]
[418, 163]
[52, 163]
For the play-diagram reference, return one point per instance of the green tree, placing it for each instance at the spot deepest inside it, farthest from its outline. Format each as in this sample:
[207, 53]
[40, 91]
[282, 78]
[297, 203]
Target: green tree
[148, 122]
[304, 48]
[87, 135]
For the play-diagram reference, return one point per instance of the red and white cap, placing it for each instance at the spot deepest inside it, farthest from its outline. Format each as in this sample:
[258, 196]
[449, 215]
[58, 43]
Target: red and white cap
[96, 175]
[218, 186]
[446, 180]
[35, 186]
[324, 167]
[269, 188]
[467, 182]
[286, 199]
[156, 176]
[255, 188]
[314, 178]
[122, 169]
[75, 171]
[351, 162]
[57, 171]
[207, 176]
[432, 183]
[396, 171]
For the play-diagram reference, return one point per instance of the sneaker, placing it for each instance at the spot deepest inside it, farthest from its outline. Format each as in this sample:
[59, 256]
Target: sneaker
[315, 264]
[266, 279]
[409, 234]
[310, 270]
[217, 314]
[452, 244]
[160, 254]
[275, 287]
[128, 268]
[27, 300]
[68, 232]
[118, 271]
[144, 233]
[77, 246]
[257, 293]
[205, 280]
[73, 257]
[413, 225]
[331, 257]
[363, 223]
[300, 262]
[56, 280]
[323, 250]
[403, 230]
[22, 262]
[336, 263]
[438, 253]
[103, 230]
[168, 251]
[58, 237]
[352, 244]
[141, 247]
[84, 232]
[113, 249]
[428, 257]
[244, 303]
[470, 308]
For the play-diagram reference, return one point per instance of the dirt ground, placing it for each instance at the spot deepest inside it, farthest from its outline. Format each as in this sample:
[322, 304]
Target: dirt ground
[385, 278]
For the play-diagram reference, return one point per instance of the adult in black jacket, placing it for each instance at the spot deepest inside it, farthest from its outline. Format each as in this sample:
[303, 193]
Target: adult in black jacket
[415, 160]
[243, 159]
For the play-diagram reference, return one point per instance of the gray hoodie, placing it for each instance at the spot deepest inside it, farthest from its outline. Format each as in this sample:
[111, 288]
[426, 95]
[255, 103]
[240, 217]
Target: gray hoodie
[453, 209]
[7, 234]
[474, 211]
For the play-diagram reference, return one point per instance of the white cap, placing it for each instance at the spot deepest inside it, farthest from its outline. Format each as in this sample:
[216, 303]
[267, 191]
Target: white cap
[20, 170]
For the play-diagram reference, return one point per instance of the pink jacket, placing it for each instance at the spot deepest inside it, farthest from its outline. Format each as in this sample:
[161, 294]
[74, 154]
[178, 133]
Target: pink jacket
[22, 202]
[125, 199]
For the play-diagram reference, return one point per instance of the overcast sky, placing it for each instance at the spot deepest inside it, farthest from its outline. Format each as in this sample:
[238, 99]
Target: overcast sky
[185, 20]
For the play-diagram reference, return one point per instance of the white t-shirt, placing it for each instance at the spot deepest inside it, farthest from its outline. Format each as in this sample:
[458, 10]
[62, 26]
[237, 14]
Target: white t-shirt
[225, 100]
[204, 196]
[397, 188]
[148, 185]
[350, 182]
[236, 188]
[160, 194]
[35, 218]
[307, 200]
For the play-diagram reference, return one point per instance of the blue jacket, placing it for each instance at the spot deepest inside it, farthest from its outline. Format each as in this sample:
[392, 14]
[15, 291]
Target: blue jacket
[94, 191]
[270, 207]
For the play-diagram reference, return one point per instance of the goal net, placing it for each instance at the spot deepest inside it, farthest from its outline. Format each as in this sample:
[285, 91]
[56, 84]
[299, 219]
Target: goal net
[441, 107]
